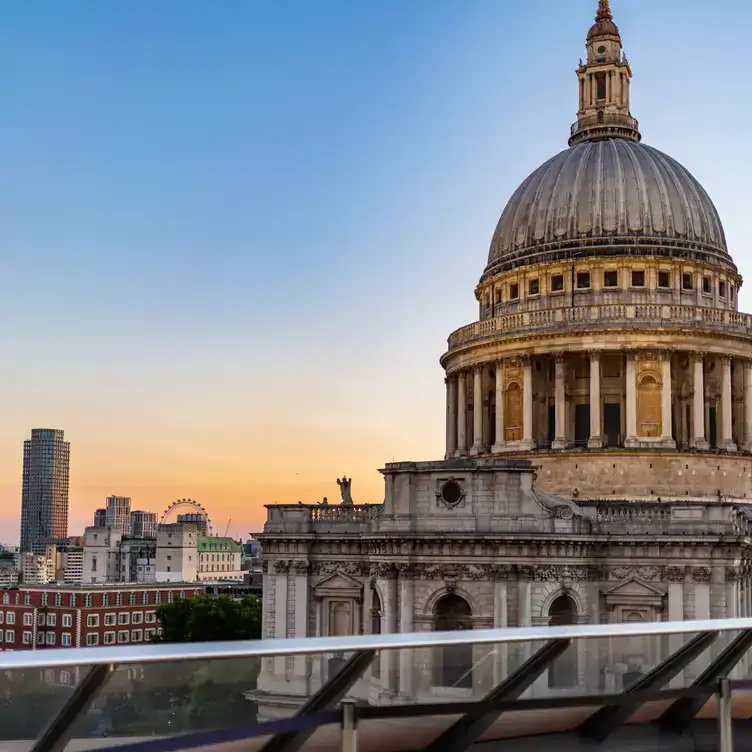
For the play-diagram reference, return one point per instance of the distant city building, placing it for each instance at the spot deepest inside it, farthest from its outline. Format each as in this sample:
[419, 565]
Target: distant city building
[100, 518]
[201, 521]
[118, 514]
[177, 559]
[101, 547]
[33, 569]
[137, 560]
[8, 569]
[143, 524]
[74, 565]
[44, 494]
[219, 559]
[55, 616]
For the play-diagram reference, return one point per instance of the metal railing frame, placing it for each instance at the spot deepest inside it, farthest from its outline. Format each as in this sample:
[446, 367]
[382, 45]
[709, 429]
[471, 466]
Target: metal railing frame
[321, 709]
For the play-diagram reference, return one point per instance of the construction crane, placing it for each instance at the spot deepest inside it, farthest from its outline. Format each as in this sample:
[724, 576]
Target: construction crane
[227, 529]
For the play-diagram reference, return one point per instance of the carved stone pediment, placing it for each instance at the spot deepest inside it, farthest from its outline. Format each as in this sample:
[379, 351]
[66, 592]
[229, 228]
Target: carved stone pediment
[634, 593]
[338, 585]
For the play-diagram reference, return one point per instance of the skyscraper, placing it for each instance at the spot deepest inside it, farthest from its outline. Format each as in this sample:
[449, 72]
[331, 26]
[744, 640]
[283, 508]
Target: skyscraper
[44, 493]
[143, 524]
[118, 514]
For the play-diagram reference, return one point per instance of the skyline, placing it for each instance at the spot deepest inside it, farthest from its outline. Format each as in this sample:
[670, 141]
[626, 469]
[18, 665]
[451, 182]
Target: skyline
[248, 279]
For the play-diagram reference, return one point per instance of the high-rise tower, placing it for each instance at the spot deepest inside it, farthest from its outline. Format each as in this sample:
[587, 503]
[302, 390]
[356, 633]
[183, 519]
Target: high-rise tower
[44, 494]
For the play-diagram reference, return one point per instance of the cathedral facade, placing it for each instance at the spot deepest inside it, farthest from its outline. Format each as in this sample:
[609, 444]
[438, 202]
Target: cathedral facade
[598, 438]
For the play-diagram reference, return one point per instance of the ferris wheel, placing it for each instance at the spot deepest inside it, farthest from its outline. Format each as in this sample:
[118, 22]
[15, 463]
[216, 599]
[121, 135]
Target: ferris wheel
[185, 506]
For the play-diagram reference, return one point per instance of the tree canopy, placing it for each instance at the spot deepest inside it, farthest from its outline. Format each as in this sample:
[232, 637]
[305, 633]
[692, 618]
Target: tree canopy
[208, 619]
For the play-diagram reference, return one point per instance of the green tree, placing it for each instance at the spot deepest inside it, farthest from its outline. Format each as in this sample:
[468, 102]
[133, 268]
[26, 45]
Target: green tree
[207, 619]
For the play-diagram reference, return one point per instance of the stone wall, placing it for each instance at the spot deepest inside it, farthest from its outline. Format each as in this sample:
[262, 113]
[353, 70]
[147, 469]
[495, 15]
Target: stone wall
[629, 475]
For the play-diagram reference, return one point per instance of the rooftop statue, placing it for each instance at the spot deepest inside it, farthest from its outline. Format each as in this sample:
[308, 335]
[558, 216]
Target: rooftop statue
[344, 484]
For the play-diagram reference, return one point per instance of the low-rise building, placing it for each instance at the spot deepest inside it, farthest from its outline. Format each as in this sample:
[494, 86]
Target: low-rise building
[33, 617]
[219, 559]
[177, 557]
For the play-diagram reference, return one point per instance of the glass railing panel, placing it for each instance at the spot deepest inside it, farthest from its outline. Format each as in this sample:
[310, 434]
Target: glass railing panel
[30, 699]
[166, 699]
[244, 694]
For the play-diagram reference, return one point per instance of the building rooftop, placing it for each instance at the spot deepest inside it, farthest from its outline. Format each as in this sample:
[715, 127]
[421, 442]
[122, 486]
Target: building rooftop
[219, 544]
[94, 587]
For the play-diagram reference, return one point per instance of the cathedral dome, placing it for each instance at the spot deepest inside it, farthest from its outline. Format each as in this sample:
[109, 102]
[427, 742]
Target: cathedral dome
[608, 196]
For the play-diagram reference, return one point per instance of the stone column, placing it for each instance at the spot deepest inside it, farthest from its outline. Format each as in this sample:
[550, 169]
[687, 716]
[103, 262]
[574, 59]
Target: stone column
[675, 576]
[527, 404]
[596, 440]
[500, 620]
[631, 439]
[698, 404]
[301, 569]
[667, 436]
[524, 577]
[748, 405]
[462, 414]
[727, 438]
[560, 397]
[732, 593]
[499, 443]
[367, 621]
[388, 658]
[280, 614]
[451, 428]
[407, 604]
[477, 447]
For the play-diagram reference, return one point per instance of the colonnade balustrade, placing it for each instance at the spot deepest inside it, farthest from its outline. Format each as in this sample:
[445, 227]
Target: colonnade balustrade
[643, 399]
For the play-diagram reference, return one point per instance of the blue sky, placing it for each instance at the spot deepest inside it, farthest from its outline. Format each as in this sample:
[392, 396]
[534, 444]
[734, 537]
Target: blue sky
[236, 235]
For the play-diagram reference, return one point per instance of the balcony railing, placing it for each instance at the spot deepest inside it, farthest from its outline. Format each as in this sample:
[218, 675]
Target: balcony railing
[606, 118]
[425, 690]
[615, 316]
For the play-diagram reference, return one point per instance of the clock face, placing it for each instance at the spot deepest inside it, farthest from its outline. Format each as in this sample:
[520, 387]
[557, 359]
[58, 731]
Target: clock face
[601, 50]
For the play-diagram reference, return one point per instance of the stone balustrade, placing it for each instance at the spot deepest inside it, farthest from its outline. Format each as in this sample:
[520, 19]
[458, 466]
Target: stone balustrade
[605, 315]
[667, 518]
[317, 518]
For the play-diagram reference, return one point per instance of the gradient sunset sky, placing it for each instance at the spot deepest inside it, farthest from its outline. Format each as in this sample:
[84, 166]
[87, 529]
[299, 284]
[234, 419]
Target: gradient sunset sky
[235, 235]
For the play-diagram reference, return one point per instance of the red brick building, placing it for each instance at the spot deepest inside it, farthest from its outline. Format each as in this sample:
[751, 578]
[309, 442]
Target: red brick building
[34, 617]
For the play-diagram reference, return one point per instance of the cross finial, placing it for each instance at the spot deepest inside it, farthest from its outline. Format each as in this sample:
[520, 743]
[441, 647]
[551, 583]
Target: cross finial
[604, 11]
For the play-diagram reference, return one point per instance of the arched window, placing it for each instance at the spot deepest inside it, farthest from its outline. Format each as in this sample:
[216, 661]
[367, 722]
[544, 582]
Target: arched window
[453, 665]
[375, 629]
[633, 655]
[649, 406]
[563, 673]
[513, 412]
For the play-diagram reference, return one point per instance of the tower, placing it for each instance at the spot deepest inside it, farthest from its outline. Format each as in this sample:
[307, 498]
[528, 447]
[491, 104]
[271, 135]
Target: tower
[603, 80]
[44, 493]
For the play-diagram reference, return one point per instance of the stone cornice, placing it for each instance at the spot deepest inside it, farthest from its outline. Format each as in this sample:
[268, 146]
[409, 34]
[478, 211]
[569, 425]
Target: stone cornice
[451, 573]
[487, 351]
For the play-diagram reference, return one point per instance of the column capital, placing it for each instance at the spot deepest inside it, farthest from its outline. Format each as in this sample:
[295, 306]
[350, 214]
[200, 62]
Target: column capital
[725, 358]
[406, 572]
[559, 357]
[631, 354]
[526, 360]
[594, 354]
